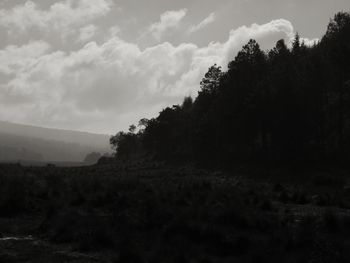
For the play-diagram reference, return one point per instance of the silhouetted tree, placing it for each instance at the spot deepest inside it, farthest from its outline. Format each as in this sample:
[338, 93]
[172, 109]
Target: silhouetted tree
[285, 104]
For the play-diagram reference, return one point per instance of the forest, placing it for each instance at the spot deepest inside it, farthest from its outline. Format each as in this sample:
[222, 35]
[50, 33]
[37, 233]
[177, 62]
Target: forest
[287, 104]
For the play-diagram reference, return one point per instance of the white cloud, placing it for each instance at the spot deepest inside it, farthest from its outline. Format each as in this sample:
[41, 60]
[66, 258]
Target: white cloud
[309, 42]
[105, 87]
[208, 20]
[61, 16]
[168, 20]
[266, 35]
[87, 32]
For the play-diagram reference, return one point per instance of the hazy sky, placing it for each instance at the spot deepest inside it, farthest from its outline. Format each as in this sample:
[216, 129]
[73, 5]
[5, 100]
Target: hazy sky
[101, 65]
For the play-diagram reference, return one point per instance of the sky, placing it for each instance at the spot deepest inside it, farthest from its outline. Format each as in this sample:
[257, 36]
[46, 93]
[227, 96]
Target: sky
[101, 65]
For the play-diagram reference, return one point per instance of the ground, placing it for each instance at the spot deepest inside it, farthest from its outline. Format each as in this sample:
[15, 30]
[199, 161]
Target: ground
[151, 212]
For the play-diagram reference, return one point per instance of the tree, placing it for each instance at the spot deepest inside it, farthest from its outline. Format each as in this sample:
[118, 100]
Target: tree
[187, 104]
[132, 128]
[125, 144]
[143, 123]
[340, 22]
[211, 80]
[281, 105]
[296, 45]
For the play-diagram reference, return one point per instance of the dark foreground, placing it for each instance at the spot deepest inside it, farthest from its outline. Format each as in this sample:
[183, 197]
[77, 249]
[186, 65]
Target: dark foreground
[152, 213]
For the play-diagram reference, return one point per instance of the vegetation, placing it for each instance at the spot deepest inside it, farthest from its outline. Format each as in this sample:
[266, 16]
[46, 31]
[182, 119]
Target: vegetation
[155, 202]
[285, 104]
[147, 212]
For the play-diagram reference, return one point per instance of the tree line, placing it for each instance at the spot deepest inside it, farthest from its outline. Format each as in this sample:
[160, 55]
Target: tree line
[289, 103]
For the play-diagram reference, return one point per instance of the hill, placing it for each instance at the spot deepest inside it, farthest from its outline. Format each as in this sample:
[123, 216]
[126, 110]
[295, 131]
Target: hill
[36, 144]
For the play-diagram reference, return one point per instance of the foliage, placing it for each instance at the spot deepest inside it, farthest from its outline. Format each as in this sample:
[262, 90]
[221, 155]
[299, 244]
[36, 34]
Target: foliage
[190, 215]
[285, 104]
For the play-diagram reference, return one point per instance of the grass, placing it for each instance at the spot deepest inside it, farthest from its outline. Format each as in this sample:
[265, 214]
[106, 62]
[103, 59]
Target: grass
[178, 215]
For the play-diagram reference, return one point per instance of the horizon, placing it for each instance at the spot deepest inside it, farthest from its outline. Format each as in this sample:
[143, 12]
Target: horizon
[98, 66]
[53, 128]
[217, 130]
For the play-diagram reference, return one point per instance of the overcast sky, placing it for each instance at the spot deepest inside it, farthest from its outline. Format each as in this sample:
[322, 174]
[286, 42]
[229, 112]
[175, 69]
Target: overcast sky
[101, 65]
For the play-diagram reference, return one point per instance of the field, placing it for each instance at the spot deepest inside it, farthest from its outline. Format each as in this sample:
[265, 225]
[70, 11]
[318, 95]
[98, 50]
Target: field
[149, 212]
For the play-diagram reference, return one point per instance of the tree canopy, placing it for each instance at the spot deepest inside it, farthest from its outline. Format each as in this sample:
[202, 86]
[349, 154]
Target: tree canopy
[284, 104]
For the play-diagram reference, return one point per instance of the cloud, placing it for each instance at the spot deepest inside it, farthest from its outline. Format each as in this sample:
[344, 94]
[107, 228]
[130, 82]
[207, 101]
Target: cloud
[114, 31]
[61, 16]
[208, 20]
[14, 58]
[168, 20]
[87, 32]
[266, 35]
[107, 86]
[309, 42]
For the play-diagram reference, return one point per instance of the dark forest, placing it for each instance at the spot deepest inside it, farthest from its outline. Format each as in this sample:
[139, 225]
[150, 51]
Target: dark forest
[285, 104]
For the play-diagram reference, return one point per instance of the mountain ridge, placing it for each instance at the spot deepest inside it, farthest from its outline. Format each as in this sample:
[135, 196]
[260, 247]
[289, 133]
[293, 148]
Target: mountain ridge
[28, 143]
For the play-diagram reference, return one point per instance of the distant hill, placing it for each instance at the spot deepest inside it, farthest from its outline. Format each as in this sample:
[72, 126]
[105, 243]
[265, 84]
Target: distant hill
[36, 144]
